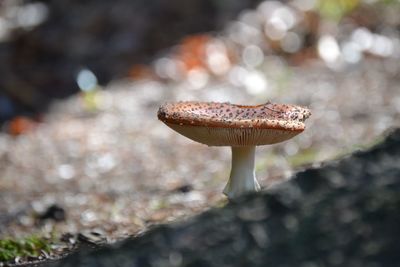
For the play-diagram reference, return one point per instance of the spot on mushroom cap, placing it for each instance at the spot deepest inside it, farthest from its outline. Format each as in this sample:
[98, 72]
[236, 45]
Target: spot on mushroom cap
[225, 124]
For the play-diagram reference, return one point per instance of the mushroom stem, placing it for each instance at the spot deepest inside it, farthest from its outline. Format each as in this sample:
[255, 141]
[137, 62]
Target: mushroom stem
[242, 178]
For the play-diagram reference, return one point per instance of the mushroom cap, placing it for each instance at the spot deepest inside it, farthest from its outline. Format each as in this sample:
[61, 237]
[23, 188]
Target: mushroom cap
[225, 124]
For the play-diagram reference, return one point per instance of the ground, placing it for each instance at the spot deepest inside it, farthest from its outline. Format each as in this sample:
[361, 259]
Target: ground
[100, 167]
[343, 214]
[114, 169]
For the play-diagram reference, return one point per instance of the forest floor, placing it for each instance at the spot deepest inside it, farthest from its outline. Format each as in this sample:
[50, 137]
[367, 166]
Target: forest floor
[105, 171]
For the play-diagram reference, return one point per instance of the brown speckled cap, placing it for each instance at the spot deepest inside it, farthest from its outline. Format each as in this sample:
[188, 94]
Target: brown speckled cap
[225, 124]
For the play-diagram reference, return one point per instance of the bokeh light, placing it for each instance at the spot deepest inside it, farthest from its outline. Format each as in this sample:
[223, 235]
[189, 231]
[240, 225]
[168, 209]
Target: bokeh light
[103, 155]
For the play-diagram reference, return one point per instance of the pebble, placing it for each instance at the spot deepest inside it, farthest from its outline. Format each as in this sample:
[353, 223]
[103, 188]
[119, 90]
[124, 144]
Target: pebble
[54, 212]
[92, 237]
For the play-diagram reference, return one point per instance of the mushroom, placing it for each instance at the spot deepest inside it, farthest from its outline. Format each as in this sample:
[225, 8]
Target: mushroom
[240, 127]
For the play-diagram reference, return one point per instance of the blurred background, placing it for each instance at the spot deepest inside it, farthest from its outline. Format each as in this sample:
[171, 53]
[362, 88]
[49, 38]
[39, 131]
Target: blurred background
[81, 82]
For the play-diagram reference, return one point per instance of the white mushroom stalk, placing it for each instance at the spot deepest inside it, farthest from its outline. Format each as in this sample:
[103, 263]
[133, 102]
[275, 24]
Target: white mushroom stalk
[242, 179]
[240, 127]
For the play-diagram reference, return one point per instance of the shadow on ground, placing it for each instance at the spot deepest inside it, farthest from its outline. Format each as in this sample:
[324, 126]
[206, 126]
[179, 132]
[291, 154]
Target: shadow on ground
[344, 214]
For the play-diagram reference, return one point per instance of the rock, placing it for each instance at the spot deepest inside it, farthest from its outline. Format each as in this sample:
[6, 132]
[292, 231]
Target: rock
[344, 214]
[54, 212]
[186, 188]
[92, 238]
[68, 238]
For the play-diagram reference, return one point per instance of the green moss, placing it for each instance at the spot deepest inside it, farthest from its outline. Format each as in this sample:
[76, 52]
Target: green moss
[361, 146]
[336, 9]
[265, 161]
[159, 204]
[221, 203]
[303, 157]
[26, 247]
